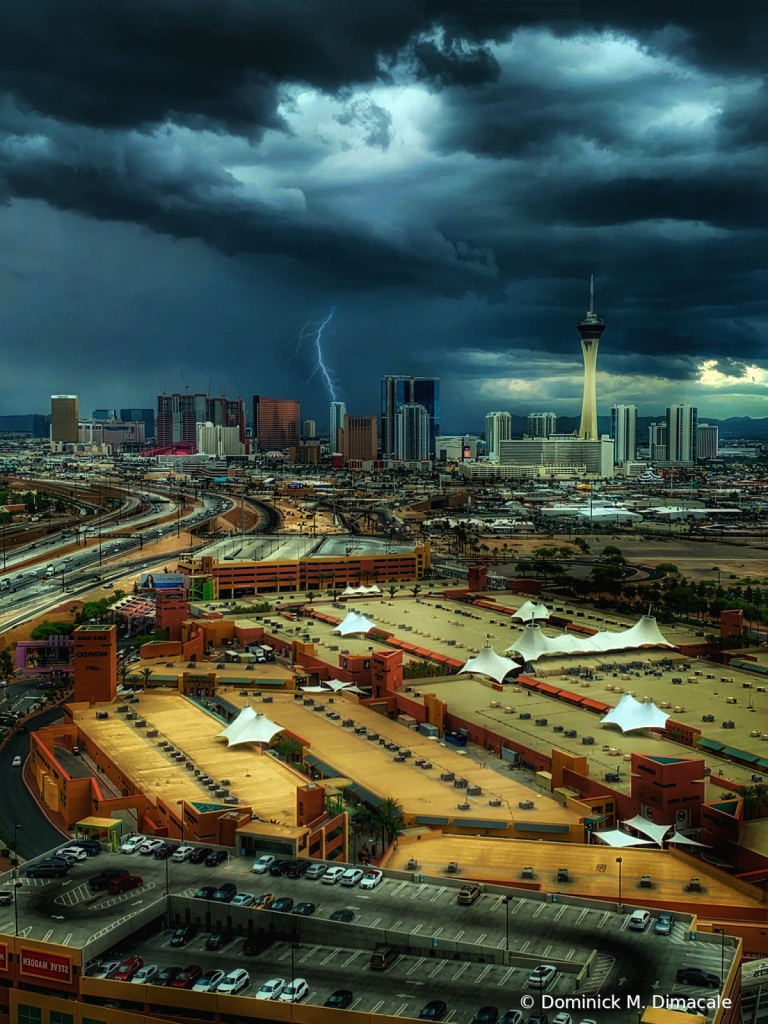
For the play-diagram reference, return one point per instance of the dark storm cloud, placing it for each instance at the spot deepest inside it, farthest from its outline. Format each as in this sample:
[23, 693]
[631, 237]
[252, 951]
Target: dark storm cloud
[374, 122]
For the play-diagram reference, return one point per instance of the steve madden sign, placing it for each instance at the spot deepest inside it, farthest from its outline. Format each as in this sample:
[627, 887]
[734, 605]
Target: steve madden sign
[46, 965]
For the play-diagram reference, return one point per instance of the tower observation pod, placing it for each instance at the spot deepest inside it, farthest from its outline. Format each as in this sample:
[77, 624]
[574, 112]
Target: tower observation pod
[590, 329]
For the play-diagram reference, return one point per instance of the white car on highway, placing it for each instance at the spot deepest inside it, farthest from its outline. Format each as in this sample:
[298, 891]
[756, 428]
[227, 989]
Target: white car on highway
[16, 763]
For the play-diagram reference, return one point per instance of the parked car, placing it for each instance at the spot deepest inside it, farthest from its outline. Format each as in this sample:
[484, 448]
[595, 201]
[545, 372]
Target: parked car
[542, 976]
[205, 893]
[106, 969]
[263, 864]
[16, 763]
[48, 870]
[469, 894]
[242, 899]
[512, 1017]
[297, 869]
[165, 977]
[199, 854]
[218, 940]
[383, 958]
[639, 920]
[72, 852]
[188, 977]
[562, 1018]
[252, 945]
[118, 885]
[271, 989]
[263, 902]
[234, 982]
[340, 999]
[486, 1015]
[352, 877]
[372, 879]
[183, 935]
[91, 846]
[697, 976]
[345, 914]
[664, 923]
[128, 968]
[295, 991]
[332, 875]
[163, 852]
[225, 893]
[131, 844]
[315, 870]
[215, 857]
[6, 897]
[304, 909]
[102, 880]
[435, 1009]
[283, 905]
[207, 982]
[150, 846]
[182, 852]
[145, 975]
[279, 867]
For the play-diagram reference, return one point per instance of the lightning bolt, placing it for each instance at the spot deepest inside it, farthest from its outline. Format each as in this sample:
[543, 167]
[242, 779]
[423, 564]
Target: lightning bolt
[313, 329]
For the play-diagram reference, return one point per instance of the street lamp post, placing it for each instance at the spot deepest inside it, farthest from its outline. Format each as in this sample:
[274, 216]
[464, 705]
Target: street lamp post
[506, 900]
[16, 882]
[618, 861]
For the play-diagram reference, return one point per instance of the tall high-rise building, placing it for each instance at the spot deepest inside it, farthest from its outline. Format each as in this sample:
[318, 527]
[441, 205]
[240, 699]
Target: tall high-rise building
[357, 438]
[178, 416]
[276, 423]
[104, 414]
[309, 430]
[624, 432]
[498, 427]
[657, 441]
[426, 391]
[707, 441]
[412, 433]
[336, 413]
[399, 390]
[682, 421]
[146, 415]
[64, 418]
[219, 441]
[541, 424]
[590, 329]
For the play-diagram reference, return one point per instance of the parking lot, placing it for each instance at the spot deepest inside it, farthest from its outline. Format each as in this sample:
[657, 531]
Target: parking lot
[66, 911]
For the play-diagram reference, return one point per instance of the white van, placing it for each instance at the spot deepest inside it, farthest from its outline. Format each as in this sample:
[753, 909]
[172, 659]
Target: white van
[50, 569]
[5, 583]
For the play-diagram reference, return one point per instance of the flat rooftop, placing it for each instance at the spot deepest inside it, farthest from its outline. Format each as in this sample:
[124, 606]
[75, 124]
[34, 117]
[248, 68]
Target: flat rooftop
[285, 547]
[420, 792]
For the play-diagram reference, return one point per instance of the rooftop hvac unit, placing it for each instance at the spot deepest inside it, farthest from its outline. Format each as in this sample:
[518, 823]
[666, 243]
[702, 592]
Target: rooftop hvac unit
[525, 716]
[131, 715]
[212, 786]
[460, 783]
[267, 700]
[729, 725]
[541, 721]
[447, 776]
[360, 730]
[151, 732]
[225, 782]
[102, 714]
[373, 736]
[526, 805]
[398, 757]
[318, 707]
[474, 790]
[495, 802]
[557, 728]
[222, 792]
[308, 702]
[348, 723]
[335, 716]
[329, 712]
[405, 753]
[121, 709]
[232, 801]
[707, 718]
[409, 689]
[426, 764]
[382, 741]
[141, 723]
[465, 807]
[570, 734]
[588, 741]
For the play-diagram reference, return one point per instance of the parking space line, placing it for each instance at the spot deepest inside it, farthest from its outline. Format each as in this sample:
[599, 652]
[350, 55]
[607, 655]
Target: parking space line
[400, 1010]
[518, 906]
[396, 925]
[416, 967]
[330, 956]
[480, 938]
[436, 932]
[483, 973]
[438, 894]
[397, 888]
[505, 975]
[582, 915]
[541, 907]
[416, 929]
[377, 1007]
[67, 939]
[524, 946]
[374, 922]
[561, 911]
[624, 923]
[450, 1016]
[546, 951]
[604, 919]
[501, 943]
[308, 954]
[286, 954]
[348, 961]
[47, 935]
[418, 891]
[439, 968]
[458, 935]
[460, 971]
[570, 954]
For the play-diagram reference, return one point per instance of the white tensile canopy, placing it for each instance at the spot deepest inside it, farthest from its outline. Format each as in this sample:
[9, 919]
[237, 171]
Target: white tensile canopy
[629, 714]
[250, 727]
[533, 644]
[332, 686]
[531, 611]
[615, 837]
[654, 832]
[354, 622]
[678, 837]
[489, 663]
[360, 591]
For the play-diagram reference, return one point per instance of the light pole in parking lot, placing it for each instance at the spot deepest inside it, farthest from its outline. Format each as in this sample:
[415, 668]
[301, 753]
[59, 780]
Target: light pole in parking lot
[506, 900]
[618, 861]
[721, 933]
[16, 882]
[294, 947]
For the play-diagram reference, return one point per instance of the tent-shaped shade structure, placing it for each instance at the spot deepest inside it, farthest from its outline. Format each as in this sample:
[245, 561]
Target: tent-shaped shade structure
[489, 663]
[533, 644]
[354, 623]
[615, 837]
[332, 686]
[678, 837]
[361, 591]
[629, 714]
[531, 611]
[250, 727]
[654, 832]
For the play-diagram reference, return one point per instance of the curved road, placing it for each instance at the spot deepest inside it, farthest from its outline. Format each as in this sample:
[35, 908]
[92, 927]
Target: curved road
[18, 806]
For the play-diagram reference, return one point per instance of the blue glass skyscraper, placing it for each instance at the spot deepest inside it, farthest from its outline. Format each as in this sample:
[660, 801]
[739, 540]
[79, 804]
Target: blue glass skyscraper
[397, 391]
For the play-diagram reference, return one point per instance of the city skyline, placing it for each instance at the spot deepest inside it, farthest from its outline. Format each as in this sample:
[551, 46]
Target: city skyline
[447, 200]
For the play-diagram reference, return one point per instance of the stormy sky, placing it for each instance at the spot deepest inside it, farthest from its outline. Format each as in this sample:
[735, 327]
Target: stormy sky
[185, 183]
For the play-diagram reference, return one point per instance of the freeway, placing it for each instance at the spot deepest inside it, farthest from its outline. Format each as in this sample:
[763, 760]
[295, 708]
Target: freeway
[18, 806]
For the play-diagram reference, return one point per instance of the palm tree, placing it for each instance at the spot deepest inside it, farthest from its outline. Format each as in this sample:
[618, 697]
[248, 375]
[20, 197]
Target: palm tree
[415, 589]
[390, 816]
[146, 674]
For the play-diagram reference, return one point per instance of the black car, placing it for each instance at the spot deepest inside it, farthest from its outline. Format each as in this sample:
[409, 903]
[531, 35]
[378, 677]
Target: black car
[165, 977]
[184, 934]
[283, 905]
[304, 909]
[279, 867]
[198, 855]
[340, 999]
[696, 976]
[436, 1009]
[215, 857]
[297, 869]
[163, 852]
[91, 846]
[225, 893]
[205, 893]
[47, 870]
[253, 945]
[342, 915]
[486, 1015]
[100, 882]
[218, 940]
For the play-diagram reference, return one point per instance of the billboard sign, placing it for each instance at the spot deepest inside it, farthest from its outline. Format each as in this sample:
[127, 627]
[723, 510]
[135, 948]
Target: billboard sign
[48, 656]
[162, 580]
[3, 957]
[50, 966]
